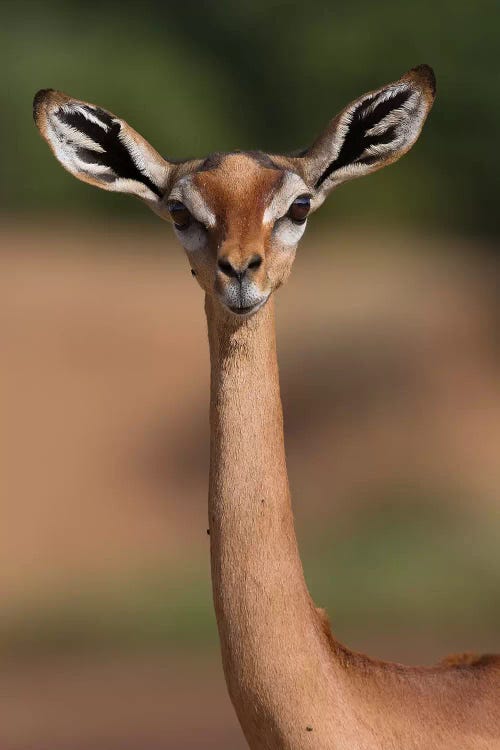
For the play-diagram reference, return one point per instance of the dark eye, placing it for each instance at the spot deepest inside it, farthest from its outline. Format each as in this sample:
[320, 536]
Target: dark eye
[299, 209]
[179, 213]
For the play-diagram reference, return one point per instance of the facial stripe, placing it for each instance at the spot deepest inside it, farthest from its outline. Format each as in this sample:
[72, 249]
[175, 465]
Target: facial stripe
[291, 186]
[186, 192]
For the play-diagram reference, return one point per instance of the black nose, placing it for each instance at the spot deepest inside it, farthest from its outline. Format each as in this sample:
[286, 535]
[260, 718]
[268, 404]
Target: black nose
[238, 272]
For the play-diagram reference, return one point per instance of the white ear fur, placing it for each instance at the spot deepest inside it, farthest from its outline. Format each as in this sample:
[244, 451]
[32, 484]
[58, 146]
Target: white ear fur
[371, 132]
[99, 148]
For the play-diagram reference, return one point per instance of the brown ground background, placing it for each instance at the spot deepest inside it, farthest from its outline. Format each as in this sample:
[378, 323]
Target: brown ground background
[390, 367]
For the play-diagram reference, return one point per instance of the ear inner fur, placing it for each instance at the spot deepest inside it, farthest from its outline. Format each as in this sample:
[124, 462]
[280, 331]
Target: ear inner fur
[114, 154]
[371, 132]
[357, 138]
[99, 148]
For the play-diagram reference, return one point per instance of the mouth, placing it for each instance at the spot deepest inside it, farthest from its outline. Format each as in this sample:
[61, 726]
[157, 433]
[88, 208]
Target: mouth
[243, 310]
[250, 309]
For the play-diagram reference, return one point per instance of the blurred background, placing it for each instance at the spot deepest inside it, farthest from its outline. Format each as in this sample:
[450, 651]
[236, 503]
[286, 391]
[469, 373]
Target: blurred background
[388, 345]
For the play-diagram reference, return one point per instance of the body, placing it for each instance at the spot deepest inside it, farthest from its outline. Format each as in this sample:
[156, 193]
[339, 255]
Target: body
[240, 217]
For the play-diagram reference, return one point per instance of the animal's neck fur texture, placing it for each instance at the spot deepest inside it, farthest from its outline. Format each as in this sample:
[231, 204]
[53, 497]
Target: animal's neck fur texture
[270, 636]
[292, 685]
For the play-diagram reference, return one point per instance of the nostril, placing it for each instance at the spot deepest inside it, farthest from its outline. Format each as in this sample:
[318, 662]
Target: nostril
[255, 262]
[226, 267]
[235, 272]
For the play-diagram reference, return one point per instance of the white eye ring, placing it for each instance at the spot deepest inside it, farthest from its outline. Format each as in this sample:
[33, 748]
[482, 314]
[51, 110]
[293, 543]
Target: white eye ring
[288, 232]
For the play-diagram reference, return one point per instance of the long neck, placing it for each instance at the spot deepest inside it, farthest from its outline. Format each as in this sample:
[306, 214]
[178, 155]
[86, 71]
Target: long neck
[274, 649]
[292, 685]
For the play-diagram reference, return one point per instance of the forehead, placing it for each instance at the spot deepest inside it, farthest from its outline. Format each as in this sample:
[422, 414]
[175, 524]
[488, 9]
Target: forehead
[227, 180]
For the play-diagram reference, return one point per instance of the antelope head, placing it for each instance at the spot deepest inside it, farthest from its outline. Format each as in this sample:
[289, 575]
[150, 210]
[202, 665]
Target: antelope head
[239, 216]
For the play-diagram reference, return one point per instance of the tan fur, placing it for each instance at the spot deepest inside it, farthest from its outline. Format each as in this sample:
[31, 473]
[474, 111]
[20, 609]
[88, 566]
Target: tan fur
[237, 191]
[293, 685]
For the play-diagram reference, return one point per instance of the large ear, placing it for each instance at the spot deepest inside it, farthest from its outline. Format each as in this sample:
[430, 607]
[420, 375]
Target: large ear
[99, 148]
[371, 132]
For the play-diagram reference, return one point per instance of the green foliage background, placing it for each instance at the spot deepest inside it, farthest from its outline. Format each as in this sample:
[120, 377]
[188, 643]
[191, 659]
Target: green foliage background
[200, 76]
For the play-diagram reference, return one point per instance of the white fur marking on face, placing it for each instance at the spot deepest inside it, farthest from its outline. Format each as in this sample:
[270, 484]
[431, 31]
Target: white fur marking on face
[287, 232]
[291, 187]
[246, 294]
[193, 239]
[185, 192]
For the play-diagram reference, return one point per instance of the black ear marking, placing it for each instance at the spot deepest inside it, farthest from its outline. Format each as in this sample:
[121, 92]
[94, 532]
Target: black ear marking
[104, 130]
[365, 116]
